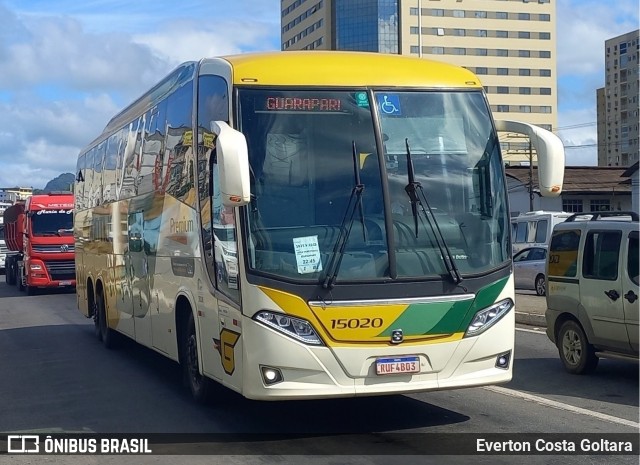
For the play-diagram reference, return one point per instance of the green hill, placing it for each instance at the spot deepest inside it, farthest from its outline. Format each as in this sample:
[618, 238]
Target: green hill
[64, 182]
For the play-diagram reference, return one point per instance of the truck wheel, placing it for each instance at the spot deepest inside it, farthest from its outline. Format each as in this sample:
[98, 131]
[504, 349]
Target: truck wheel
[14, 273]
[19, 279]
[577, 355]
[541, 286]
[8, 272]
[199, 385]
[108, 335]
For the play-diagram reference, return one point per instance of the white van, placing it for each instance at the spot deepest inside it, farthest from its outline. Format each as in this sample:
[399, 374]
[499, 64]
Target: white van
[533, 229]
[592, 289]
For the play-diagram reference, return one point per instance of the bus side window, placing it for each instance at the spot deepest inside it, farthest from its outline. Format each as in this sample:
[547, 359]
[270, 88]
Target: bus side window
[541, 231]
[521, 232]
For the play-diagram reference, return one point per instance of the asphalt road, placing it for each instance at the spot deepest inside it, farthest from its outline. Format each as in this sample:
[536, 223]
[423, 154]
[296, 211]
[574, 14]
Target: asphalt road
[56, 377]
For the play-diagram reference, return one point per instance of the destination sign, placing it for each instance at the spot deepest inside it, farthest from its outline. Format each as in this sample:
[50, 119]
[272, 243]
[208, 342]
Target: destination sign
[303, 104]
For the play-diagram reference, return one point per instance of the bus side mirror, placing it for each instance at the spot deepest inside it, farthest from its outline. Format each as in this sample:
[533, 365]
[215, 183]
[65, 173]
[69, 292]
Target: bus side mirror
[550, 154]
[233, 164]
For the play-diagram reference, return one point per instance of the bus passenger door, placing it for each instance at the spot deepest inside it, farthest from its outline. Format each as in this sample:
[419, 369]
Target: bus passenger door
[138, 275]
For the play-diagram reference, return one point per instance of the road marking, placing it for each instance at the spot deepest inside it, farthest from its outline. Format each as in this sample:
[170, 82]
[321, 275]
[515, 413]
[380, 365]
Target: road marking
[534, 330]
[561, 406]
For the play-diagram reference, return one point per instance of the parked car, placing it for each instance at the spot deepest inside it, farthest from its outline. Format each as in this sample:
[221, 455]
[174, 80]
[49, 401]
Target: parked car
[592, 292]
[528, 269]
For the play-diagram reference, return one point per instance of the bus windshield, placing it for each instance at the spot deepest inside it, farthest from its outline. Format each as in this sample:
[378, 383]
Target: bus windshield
[308, 149]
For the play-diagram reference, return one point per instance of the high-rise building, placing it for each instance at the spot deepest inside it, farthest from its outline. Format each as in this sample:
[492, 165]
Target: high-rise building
[619, 103]
[509, 44]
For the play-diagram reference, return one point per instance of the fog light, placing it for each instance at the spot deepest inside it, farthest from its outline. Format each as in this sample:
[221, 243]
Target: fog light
[502, 361]
[271, 375]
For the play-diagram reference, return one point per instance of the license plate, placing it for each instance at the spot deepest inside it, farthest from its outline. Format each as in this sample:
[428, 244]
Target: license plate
[64, 283]
[396, 365]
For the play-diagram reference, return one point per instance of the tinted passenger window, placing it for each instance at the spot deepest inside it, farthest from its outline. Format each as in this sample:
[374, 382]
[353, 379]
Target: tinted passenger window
[601, 252]
[563, 254]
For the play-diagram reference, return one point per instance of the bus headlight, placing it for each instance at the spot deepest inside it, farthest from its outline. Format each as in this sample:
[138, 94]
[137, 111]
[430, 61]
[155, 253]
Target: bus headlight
[296, 328]
[487, 317]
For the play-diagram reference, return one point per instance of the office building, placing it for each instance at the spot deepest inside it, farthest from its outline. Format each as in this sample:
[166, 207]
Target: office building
[509, 44]
[618, 102]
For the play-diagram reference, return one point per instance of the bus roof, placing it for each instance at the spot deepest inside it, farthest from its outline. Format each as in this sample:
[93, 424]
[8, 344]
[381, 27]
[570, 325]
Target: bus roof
[309, 69]
[338, 68]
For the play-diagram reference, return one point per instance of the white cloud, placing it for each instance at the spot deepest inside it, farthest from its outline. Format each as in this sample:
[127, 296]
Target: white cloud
[189, 40]
[64, 73]
[584, 25]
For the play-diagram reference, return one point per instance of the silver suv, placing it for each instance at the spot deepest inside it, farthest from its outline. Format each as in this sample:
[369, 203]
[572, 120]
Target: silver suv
[592, 289]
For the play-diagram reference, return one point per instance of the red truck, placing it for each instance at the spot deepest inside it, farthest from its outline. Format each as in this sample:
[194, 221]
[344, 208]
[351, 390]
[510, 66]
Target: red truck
[39, 236]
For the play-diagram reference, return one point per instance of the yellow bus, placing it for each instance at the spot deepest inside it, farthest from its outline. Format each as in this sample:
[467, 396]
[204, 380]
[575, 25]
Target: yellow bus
[307, 225]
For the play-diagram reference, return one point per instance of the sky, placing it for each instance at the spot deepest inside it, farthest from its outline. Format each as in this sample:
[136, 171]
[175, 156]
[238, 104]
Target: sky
[67, 66]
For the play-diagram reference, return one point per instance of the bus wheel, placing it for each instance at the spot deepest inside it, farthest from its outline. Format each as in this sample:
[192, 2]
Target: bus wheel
[96, 321]
[577, 355]
[199, 385]
[107, 334]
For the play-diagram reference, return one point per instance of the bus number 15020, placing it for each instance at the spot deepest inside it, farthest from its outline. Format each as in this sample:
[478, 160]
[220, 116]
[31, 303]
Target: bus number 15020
[354, 323]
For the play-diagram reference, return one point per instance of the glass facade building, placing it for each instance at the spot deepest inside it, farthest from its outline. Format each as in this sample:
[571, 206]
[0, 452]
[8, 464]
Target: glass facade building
[367, 25]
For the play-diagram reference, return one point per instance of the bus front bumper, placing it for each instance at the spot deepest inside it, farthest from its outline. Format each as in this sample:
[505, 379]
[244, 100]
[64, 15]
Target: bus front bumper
[350, 371]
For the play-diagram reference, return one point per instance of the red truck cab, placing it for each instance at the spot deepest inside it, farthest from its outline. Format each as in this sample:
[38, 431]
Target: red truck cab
[40, 232]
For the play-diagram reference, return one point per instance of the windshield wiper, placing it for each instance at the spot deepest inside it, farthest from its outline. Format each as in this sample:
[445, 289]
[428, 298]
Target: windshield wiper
[418, 199]
[355, 200]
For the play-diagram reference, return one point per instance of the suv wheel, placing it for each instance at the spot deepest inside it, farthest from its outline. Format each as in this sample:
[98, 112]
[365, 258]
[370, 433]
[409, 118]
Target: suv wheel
[577, 355]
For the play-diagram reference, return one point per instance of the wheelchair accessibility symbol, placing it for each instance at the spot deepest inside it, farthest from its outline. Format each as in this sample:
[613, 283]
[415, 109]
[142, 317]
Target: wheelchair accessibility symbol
[389, 104]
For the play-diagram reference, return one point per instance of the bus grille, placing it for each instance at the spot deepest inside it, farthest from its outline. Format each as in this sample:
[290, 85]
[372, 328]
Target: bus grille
[61, 270]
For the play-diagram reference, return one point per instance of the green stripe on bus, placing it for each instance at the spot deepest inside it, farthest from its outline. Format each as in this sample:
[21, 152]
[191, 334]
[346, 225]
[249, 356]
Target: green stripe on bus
[444, 317]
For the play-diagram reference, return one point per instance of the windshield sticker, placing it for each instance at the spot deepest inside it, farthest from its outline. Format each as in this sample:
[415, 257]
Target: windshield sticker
[389, 104]
[362, 99]
[307, 254]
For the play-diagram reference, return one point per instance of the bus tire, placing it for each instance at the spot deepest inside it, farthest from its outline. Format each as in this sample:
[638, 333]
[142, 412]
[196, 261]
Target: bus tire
[107, 335]
[577, 355]
[96, 320]
[199, 385]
